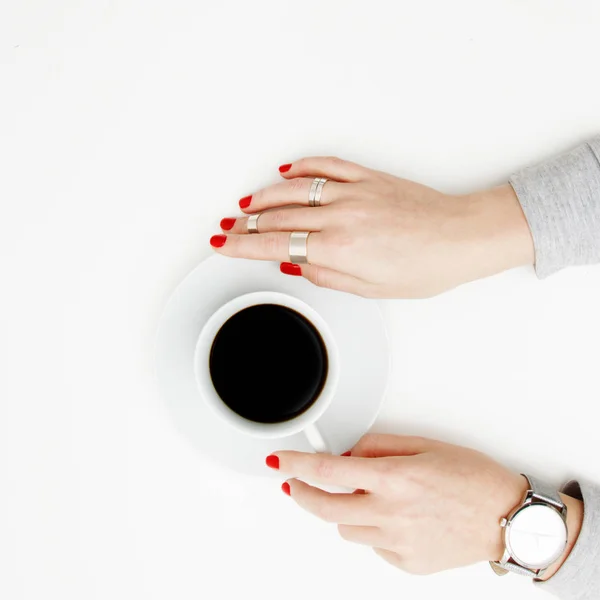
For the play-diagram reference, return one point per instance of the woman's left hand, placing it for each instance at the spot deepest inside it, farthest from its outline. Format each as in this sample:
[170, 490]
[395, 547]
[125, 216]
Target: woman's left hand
[424, 506]
[377, 235]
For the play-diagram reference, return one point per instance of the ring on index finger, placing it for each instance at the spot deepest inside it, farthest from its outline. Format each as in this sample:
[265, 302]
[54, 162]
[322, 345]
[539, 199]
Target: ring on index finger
[298, 247]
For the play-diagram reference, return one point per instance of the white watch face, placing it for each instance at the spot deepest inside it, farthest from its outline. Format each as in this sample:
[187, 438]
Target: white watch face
[536, 536]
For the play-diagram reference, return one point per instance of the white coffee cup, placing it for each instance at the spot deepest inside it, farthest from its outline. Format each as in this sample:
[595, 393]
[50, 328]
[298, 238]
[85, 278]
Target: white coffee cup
[306, 421]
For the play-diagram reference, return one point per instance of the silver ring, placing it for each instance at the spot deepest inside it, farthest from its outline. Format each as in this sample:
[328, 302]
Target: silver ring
[312, 195]
[252, 223]
[298, 247]
[320, 186]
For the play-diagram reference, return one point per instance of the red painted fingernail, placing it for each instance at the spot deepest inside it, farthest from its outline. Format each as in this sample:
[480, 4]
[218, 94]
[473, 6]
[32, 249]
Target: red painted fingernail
[227, 224]
[290, 269]
[216, 241]
[285, 168]
[349, 453]
[285, 488]
[272, 461]
[245, 201]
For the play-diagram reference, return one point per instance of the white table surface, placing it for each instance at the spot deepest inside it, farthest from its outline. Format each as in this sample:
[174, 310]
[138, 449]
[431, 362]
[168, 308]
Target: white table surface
[127, 130]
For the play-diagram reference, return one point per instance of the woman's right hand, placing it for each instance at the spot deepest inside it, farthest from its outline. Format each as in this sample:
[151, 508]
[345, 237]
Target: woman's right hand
[379, 236]
[424, 505]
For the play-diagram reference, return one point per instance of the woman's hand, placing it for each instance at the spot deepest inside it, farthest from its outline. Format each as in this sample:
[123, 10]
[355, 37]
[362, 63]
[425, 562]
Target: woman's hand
[424, 506]
[376, 235]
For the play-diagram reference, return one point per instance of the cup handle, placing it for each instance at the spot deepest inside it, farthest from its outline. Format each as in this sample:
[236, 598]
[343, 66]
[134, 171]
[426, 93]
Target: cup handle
[316, 439]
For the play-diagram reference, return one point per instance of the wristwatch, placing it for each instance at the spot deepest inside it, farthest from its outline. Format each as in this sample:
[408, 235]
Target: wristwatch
[535, 532]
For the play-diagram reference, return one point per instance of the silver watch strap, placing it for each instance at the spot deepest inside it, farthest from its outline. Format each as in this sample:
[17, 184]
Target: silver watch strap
[544, 491]
[515, 568]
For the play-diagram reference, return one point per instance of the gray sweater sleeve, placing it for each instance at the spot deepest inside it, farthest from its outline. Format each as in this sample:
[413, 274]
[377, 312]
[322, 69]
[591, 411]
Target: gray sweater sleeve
[561, 201]
[579, 576]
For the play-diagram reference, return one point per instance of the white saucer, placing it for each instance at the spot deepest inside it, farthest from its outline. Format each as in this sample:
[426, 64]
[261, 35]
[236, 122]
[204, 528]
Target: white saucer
[356, 324]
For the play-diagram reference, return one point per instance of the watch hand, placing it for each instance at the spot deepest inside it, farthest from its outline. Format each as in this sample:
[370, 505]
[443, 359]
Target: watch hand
[539, 535]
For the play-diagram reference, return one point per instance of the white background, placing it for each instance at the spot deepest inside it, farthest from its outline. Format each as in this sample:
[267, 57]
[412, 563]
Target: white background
[127, 130]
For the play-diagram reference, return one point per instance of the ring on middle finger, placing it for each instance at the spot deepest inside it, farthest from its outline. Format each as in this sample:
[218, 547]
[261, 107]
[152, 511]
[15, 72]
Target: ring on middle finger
[252, 223]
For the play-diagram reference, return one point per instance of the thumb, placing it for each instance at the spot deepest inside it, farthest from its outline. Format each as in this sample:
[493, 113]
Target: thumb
[379, 445]
[334, 280]
[329, 279]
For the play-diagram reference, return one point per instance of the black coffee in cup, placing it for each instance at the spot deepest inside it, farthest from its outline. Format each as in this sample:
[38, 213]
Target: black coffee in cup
[268, 363]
